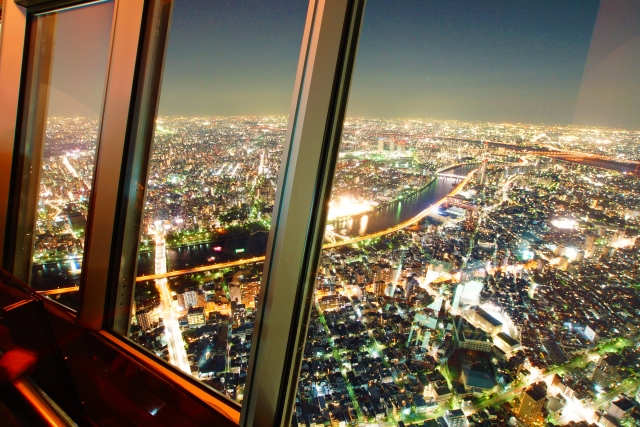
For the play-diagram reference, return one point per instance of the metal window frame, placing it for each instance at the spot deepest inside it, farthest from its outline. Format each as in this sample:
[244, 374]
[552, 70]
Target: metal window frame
[311, 148]
[11, 57]
[30, 136]
[123, 54]
[102, 219]
[304, 185]
[136, 164]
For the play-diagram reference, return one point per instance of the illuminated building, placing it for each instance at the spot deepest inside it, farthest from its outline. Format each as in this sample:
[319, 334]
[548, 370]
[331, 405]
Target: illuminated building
[590, 333]
[533, 401]
[469, 337]
[606, 372]
[144, 319]
[330, 302]
[188, 299]
[195, 317]
[619, 408]
[505, 343]
[481, 175]
[485, 321]
[214, 173]
[456, 418]
[471, 293]
[238, 311]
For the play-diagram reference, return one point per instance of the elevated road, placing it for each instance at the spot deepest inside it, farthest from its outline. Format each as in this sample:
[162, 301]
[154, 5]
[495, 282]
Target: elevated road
[200, 269]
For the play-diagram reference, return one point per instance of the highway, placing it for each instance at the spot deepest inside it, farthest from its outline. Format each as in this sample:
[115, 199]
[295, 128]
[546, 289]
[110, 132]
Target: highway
[200, 269]
[173, 335]
[166, 274]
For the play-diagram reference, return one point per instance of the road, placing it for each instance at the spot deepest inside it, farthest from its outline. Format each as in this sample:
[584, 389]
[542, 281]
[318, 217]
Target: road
[173, 335]
[586, 412]
[60, 290]
[400, 226]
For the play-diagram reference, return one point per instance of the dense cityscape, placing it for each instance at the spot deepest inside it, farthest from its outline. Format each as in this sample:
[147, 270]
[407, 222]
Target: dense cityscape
[510, 300]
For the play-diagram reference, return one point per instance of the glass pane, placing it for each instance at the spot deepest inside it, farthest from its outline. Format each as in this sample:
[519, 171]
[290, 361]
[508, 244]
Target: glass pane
[70, 77]
[226, 92]
[481, 250]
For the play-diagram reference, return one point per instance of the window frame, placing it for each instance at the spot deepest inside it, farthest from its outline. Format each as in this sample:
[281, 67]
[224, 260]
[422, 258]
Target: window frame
[314, 131]
[305, 179]
[113, 121]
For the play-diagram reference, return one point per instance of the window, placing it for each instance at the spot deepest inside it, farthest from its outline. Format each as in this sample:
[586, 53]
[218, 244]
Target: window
[60, 141]
[211, 186]
[482, 217]
[465, 229]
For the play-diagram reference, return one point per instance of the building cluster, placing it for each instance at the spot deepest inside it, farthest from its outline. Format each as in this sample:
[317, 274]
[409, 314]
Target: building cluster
[211, 173]
[514, 302]
[64, 188]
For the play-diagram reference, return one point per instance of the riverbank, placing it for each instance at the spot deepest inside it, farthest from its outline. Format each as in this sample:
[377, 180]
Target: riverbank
[381, 206]
[401, 199]
[406, 223]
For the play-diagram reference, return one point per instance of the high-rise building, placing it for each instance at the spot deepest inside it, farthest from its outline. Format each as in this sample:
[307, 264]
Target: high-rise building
[481, 175]
[235, 293]
[379, 288]
[456, 418]
[195, 317]
[238, 312]
[469, 337]
[533, 400]
[485, 321]
[589, 242]
[620, 407]
[190, 299]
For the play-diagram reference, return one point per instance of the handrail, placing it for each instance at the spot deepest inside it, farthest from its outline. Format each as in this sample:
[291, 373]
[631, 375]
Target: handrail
[22, 396]
[45, 409]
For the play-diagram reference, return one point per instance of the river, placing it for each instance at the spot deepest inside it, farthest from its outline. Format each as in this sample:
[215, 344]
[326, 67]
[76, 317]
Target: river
[53, 275]
[63, 274]
[255, 245]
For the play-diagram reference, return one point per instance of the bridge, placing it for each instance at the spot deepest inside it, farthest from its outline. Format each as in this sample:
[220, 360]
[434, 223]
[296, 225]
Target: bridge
[450, 175]
[550, 152]
[173, 335]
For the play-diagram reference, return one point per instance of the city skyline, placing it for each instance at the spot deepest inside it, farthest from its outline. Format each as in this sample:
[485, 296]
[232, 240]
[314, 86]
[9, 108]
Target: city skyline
[466, 255]
[447, 281]
[554, 63]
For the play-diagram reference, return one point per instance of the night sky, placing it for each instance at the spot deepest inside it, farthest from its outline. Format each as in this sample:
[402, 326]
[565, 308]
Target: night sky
[232, 57]
[542, 61]
[507, 60]
[500, 61]
[80, 58]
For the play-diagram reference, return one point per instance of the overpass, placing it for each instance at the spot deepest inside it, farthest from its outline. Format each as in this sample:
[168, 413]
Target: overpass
[550, 152]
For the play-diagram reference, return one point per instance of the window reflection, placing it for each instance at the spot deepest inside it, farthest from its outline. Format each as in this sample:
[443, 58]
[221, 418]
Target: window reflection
[71, 82]
[482, 242]
[228, 75]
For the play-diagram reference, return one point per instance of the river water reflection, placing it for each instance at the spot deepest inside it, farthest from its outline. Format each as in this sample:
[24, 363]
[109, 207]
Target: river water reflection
[50, 276]
[255, 245]
[62, 274]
